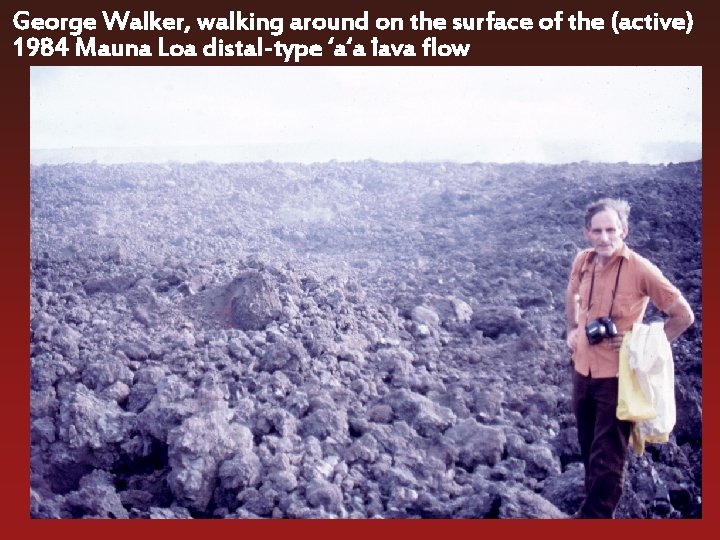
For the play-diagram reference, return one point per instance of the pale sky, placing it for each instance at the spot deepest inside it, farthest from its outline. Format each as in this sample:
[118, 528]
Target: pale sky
[476, 113]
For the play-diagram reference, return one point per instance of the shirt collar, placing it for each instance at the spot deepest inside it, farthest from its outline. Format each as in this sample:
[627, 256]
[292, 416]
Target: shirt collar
[624, 253]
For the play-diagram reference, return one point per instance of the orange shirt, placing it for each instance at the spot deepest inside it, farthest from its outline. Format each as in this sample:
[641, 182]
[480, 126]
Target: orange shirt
[640, 281]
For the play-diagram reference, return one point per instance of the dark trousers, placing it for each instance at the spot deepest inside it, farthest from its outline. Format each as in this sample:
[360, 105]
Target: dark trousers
[603, 443]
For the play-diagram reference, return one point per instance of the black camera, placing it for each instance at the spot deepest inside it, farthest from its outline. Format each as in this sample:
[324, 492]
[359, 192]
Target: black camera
[599, 329]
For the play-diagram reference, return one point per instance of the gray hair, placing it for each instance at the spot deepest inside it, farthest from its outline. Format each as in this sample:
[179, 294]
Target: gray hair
[620, 206]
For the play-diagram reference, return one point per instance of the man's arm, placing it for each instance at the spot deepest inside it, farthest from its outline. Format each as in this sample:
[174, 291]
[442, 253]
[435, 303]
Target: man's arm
[680, 318]
[571, 301]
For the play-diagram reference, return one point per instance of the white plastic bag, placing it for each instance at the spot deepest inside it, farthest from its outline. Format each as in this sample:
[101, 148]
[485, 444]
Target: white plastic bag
[650, 359]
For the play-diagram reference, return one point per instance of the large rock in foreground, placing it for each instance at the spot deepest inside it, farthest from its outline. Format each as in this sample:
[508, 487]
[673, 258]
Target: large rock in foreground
[197, 447]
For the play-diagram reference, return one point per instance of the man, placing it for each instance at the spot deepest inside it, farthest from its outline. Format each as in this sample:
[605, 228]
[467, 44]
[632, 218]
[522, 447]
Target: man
[611, 281]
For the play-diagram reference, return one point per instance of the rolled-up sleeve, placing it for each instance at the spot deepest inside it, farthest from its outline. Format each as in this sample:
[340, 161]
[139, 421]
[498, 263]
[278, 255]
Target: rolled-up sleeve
[654, 284]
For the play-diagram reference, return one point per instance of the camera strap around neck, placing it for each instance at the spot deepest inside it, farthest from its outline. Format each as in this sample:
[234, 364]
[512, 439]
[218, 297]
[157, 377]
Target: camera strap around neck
[592, 285]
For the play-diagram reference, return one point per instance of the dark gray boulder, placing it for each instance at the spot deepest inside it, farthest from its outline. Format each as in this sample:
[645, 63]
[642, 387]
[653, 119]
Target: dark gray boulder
[496, 320]
[476, 444]
[255, 301]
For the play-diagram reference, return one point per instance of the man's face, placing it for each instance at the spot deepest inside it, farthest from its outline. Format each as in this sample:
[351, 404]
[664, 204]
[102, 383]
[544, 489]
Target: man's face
[606, 234]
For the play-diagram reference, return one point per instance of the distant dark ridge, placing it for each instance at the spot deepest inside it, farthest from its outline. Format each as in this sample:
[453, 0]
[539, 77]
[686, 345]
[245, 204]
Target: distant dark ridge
[313, 152]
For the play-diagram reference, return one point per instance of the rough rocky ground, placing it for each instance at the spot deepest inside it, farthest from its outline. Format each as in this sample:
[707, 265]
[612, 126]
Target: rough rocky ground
[333, 340]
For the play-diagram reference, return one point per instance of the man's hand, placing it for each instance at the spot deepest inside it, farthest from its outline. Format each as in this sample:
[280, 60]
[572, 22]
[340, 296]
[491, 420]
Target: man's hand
[572, 337]
[616, 341]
